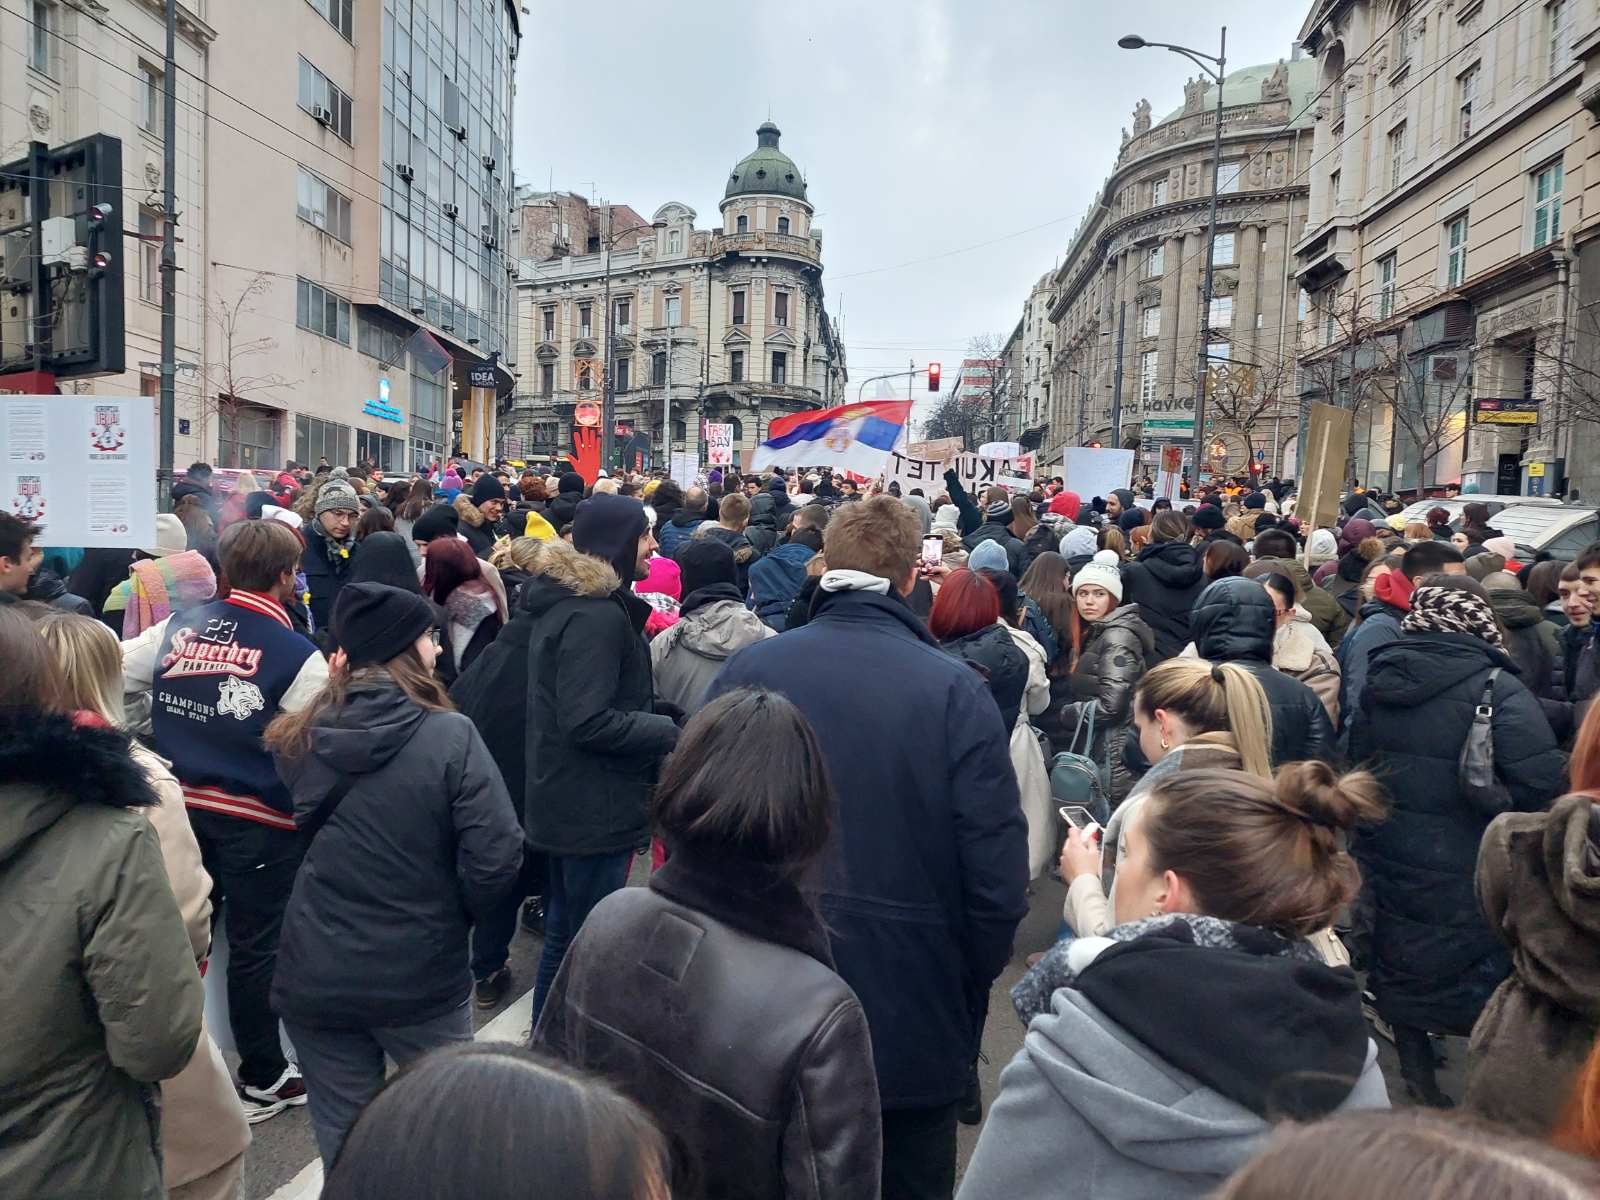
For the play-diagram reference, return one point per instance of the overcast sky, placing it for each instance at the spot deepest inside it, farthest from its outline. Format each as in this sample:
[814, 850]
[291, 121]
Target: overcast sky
[924, 127]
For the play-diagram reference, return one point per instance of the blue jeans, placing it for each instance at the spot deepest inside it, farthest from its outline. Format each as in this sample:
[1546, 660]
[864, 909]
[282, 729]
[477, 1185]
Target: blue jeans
[577, 883]
[491, 937]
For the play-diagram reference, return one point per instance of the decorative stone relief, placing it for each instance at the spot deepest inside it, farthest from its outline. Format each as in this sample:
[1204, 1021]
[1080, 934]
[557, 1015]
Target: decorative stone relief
[1141, 117]
[1276, 85]
[39, 112]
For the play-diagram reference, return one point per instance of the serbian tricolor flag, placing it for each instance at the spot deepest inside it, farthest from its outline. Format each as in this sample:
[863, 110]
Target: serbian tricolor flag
[853, 437]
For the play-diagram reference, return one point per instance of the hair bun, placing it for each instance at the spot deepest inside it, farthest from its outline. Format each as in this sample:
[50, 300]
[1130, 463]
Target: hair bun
[1316, 793]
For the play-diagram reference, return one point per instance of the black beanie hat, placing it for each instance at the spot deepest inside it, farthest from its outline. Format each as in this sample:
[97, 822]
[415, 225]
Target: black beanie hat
[1255, 500]
[705, 561]
[570, 482]
[385, 557]
[1130, 519]
[1208, 516]
[608, 527]
[374, 622]
[488, 487]
[439, 521]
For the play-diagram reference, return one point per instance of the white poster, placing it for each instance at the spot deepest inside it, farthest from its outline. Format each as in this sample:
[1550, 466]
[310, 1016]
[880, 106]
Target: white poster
[1169, 479]
[975, 472]
[719, 444]
[1097, 472]
[682, 468]
[83, 467]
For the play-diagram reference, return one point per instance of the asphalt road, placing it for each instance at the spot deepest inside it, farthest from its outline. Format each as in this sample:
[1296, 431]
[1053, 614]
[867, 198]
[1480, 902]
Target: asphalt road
[283, 1147]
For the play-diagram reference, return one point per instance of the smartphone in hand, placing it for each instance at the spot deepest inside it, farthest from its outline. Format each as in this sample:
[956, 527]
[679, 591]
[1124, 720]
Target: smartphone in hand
[1079, 817]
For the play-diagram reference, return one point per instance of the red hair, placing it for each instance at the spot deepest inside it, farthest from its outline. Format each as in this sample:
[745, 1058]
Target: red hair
[1584, 770]
[450, 562]
[966, 603]
[1579, 1127]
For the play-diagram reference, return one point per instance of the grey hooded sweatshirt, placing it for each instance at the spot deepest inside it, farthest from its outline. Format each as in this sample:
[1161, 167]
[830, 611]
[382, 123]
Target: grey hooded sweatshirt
[1086, 1109]
[713, 624]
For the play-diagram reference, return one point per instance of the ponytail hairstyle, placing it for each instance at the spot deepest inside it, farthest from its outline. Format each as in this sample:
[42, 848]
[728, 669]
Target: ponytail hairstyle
[1263, 852]
[1213, 698]
[1112, 538]
[289, 734]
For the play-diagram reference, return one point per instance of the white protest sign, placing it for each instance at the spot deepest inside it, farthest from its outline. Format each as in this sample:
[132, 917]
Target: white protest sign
[1097, 472]
[683, 468]
[719, 444]
[1169, 479]
[83, 467]
[974, 472]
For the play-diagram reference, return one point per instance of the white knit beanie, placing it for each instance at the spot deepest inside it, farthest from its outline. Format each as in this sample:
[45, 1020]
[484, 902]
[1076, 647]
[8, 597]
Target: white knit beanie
[1102, 571]
[947, 519]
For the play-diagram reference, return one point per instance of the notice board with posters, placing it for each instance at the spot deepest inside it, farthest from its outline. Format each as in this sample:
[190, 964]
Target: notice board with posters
[82, 467]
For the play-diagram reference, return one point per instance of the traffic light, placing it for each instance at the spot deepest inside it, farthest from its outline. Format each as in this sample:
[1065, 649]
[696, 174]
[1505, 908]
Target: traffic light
[933, 377]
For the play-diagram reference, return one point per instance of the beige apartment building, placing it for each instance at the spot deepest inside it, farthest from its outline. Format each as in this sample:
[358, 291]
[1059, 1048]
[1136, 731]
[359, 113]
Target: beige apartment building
[344, 180]
[1133, 279]
[725, 324]
[1026, 359]
[1448, 228]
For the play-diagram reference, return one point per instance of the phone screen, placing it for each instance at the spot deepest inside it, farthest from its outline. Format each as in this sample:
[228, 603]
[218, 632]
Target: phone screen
[1079, 816]
[932, 551]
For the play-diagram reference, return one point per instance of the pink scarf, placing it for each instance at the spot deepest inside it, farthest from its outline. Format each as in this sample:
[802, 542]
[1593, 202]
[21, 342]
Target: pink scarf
[159, 587]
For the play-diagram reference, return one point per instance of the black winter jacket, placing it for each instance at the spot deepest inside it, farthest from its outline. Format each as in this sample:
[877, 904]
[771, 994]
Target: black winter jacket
[667, 990]
[762, 531]
[327, 571]
[563, 509]
[493, 694]
[994, 531]
[1233, 621]
[1533, 643]
[1435, 961]
[1000, 663]
[1164, 581]
[594, 739]
[423, 845]
[924, 879]
[1115, 653]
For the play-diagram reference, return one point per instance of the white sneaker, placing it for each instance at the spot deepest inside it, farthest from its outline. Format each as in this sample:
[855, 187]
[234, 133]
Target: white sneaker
[261, 1104]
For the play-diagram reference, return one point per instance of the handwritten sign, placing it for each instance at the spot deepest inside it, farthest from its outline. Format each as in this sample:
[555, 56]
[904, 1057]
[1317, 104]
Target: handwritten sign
[975, 472]
[719, 444]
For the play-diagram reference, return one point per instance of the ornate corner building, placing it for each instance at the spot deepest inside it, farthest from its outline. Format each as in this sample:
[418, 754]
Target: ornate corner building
[1125, 303]
[724, 325]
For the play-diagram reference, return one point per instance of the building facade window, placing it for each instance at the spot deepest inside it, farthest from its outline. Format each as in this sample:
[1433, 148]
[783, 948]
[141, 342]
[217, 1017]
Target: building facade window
[1222, 250]
[780, 308]
[150, 94]
[658, 369]
[1397, 153]
[1402, 35]
[1387, 267]
[382, 342]
[783, 224]
[1330, 319]
[738, 308]
[386, 453]
[780, 367]
[1153, 262]
[1228, 178]
[621, 375]
[1466, 100]
[248, 436]
[1147, 376]
[624, 315]
[674, 310]
[319, 203]
[149, 256]
[41, 47]
[585, 320]
[1558, 35]
[336, 13]
[674, 241]
[430, 417]
[585, 375]
[1455, 251]
[548, 318]
[736, 366]
[1547, 204]
[315, 438]
[1150, 322]
[742, 225]
[321, 311]
[1158, 192]
[547, 379]
[319, 96]
[1334, 179]
[1220, 314]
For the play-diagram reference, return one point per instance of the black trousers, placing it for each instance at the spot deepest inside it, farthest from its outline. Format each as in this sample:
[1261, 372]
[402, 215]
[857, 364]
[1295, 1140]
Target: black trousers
[919, 1153]
[252, 868]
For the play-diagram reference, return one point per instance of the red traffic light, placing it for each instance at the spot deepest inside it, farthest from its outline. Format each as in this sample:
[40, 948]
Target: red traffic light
[933, 377]
[1258, 466]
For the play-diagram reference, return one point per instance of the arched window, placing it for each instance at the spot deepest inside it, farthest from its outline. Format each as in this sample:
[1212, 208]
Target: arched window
[680, 431]
[783, 224]
[743, 225]
[738, 429]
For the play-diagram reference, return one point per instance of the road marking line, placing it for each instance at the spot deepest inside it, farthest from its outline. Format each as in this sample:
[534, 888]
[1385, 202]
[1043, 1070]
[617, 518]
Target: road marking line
[512, 1025]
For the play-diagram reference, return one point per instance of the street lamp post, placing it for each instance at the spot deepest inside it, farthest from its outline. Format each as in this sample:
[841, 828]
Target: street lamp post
[1203, 355]
[608, 407]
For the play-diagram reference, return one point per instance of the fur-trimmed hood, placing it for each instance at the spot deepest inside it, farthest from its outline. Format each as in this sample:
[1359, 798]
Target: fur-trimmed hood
[49, 765]
[469, 512]
[561, 568]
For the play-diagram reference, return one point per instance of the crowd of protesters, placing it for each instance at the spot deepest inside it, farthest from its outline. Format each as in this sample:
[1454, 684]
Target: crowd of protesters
[1327, 787]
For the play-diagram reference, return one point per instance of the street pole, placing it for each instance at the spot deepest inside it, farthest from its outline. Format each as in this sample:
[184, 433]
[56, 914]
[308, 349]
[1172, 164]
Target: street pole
[666, 409]
[1202, 356]
[1116, 385]
[169, 260]
[607, 407]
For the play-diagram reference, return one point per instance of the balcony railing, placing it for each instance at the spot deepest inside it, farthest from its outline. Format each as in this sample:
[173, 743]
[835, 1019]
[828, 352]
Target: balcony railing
[761, 242]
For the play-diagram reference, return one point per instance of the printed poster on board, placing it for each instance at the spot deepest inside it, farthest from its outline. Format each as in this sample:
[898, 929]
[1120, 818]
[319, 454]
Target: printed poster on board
[81, 467]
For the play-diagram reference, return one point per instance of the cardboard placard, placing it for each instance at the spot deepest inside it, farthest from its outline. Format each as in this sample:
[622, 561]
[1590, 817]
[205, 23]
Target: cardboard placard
[1322, 479]
[719, 444]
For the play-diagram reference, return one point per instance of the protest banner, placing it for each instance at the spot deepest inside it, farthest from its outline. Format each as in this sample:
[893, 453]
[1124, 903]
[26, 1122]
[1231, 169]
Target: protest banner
[1327, 452]
[1090, 472]
[1169, 479]
[82, 467]
[975, 472]
[943, 449]
[719, 444]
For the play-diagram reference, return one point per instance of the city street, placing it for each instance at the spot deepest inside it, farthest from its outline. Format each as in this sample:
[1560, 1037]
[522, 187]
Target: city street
[280, 1164]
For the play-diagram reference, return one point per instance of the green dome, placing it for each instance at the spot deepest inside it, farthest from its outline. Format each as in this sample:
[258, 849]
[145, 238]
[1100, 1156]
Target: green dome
[766, 170]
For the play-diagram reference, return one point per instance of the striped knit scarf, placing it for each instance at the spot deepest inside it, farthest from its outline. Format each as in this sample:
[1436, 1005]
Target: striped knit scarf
[159, 587]
[1452, 610]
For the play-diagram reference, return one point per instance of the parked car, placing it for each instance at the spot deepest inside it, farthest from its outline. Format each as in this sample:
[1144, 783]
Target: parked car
[1420, 510]
[1556, 530]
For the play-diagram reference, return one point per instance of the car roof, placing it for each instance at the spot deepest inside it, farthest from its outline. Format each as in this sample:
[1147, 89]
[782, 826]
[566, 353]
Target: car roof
[1531, 526]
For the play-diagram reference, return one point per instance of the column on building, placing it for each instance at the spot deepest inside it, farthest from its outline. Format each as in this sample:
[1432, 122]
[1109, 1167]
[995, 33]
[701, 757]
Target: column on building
[1247, 251]
[1171, 264]
[1189, 314]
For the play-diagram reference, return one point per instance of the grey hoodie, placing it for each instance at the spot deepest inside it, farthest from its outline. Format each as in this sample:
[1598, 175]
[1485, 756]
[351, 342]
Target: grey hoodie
[1086, 1110]
[687, 657]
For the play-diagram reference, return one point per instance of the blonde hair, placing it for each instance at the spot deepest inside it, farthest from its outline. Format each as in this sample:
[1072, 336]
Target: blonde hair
[1213, 698]
[1111, 538]
[244, 483]
[91, 662]
[520, 553]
